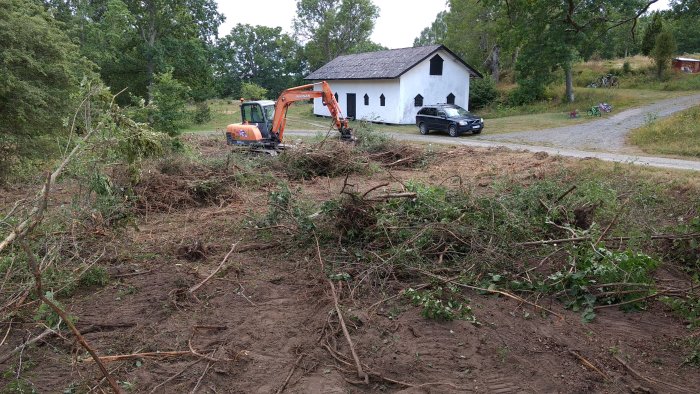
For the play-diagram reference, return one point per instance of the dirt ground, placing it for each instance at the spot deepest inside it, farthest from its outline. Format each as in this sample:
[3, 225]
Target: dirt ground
[266, 323]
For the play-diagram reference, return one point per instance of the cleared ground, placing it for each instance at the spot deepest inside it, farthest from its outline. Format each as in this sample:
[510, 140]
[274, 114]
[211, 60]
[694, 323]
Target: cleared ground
[266, 322]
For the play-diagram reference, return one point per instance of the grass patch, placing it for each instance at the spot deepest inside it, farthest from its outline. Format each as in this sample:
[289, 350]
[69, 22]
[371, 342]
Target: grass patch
[678, 134]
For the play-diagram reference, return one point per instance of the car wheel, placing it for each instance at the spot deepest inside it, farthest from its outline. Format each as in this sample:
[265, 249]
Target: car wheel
[423, 129]
[453, 131]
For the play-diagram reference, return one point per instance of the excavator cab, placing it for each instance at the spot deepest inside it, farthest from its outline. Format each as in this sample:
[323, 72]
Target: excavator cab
[260, 114]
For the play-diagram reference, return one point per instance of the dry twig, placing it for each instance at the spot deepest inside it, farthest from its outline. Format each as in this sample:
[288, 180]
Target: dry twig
[200, 284]
[360, 373]
[651, 380]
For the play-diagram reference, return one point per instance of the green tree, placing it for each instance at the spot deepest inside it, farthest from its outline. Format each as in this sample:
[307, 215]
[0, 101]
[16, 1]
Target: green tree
[332, 28]
[252, 91]
[652, 30]
[40, 73]
[433, 34]
[167, 107]
[552, 35]
[663, 51]
[684, 22]
[133, 40]
[257, 54]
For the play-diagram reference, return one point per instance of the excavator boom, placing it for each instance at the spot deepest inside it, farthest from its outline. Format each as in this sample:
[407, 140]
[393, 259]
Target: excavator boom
[263, 128]
[307, 92]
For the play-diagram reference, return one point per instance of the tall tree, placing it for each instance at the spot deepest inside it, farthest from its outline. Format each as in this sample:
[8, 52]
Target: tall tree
[433, 34]
[331, 28]
[652, 30]
[685, 23]
[40, 70]
[258, 54]
[663, 50]
[552, 34]
[132, 40]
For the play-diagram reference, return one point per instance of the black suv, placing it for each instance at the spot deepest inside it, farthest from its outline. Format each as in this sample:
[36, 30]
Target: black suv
[448, 117]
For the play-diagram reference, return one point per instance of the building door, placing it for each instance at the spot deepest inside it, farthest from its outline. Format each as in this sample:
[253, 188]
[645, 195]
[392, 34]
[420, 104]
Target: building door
[352, 106]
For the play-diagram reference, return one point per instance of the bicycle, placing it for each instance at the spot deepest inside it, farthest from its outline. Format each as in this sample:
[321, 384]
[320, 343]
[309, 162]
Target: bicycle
[594, 111]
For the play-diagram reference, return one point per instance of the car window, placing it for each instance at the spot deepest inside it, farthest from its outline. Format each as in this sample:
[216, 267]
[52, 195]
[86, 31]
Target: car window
[453, 112]
[432, 111]
[441, 113]
[423, 111]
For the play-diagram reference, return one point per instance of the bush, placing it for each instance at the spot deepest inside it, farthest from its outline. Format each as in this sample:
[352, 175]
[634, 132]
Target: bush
[527, 92]
[167, 113]
[482, 93]
[202, 113]
[253, 91]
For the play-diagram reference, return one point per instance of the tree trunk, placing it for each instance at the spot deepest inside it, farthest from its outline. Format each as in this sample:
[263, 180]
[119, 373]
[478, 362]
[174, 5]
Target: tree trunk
[569, 84]
[150, 38]
[496, 63]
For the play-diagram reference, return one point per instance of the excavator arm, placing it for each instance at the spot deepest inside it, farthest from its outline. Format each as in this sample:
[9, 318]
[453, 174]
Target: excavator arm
[306, 92]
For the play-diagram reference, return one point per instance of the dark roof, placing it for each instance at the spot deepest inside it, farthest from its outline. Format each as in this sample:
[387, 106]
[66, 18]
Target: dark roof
[380, 65]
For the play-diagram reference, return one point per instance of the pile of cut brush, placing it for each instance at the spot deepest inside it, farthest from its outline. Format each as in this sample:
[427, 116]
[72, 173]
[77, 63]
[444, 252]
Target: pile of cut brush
[175, 184]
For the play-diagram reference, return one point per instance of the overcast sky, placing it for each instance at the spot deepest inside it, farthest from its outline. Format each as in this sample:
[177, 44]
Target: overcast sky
[399, 22]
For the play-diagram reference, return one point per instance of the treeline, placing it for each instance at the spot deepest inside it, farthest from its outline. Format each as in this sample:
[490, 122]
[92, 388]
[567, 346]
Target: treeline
[527, 41]
[164, 54]
[158, 54]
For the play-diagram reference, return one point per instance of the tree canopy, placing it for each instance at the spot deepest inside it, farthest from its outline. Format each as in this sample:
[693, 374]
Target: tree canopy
[40, 71]
[330, 28]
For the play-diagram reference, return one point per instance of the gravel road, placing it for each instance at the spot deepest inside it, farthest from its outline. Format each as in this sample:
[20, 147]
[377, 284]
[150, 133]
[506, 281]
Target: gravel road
[606, 134]
[602, 139]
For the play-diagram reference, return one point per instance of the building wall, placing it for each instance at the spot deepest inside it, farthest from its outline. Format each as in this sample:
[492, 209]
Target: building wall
[694, 67]
[373, 88]
[433, 88]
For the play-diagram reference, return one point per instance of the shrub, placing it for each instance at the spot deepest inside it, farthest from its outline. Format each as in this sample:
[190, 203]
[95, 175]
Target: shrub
[202, 113]
[167, 112]
[253, 91]
[482, 93]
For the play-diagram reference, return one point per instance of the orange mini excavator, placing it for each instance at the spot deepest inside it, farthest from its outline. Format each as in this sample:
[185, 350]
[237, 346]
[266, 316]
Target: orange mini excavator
[264, 121]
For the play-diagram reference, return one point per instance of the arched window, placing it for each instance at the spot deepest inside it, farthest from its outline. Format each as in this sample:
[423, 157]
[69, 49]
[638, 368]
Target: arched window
[436, 65]
[418, 101]
[450, 98]
[382, 100]
[336, 97]
[366, 99]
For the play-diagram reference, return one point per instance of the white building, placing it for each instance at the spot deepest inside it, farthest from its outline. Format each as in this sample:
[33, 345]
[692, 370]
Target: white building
[391, 86]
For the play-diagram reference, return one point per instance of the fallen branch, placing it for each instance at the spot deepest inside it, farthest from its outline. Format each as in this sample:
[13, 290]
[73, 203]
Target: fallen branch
[589, 364]
[170, 379]
[658, 293]
[289, 375]
[392, 195]
[122, 357]
[651, 380]
[588, 238]
[40, 293]
[360, 373]
[200, 284]
[22, 346]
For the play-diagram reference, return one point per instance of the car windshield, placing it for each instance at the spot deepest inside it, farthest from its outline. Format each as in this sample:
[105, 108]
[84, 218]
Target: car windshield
[456, 112]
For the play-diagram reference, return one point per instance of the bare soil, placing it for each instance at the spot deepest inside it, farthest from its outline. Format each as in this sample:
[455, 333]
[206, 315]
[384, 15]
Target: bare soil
[269, 315]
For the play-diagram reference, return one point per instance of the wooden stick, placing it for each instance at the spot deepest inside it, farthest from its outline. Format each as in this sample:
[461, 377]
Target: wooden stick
[588, 238]
[199, 381]
[20, 347]
[40, 293]
[170, 379]
[200, 284]
[289, 375]
[360, 373]
[617, 215]
[566, 193]
[122, 357]
[650, 380]
[632, 301]
[589, 364]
